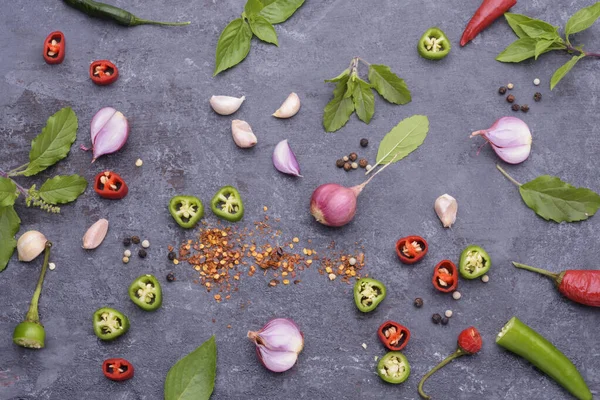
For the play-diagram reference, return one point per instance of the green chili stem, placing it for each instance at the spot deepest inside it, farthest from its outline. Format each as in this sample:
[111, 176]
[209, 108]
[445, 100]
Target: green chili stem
[538, 270]
[32, 314]
[510, 178]
[138, 21]
[458, 353]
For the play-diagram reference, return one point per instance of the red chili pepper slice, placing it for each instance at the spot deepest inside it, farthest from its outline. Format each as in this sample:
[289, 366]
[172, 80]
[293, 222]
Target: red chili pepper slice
[411, 249]
[445, 276]
[394, 336]
[110, 185]
[117, 369]
[54, 48]
[103, 72]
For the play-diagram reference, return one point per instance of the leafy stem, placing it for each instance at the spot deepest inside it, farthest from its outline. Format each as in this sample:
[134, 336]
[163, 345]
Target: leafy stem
[20, 188]
[17, 170]
[510, 178]
[570, 48]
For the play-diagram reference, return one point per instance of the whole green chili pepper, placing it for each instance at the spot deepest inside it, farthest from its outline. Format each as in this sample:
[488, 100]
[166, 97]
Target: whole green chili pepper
[520, 339]
[227, 204]
[368, 293]
[101, 10]
[474, 262]
[434, 44]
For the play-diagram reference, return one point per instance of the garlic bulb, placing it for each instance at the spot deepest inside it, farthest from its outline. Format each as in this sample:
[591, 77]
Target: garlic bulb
[226, 105]
[30, 245]
[95, 234]
[446, 208]
[242, 134]
[289, 108]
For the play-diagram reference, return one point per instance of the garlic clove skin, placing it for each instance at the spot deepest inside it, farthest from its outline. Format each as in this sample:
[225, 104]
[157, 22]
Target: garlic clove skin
[95, 234]
[242, 134]
[289, 108]
[446, 208]
[226, 105]
[30, 245]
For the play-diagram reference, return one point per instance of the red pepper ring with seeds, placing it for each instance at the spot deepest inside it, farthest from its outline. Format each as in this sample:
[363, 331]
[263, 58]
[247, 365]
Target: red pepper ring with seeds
[54, 48]
[117, 369]
[103, 72]
[411, 249]
[394, 336]
[445, 276]
[110, 185]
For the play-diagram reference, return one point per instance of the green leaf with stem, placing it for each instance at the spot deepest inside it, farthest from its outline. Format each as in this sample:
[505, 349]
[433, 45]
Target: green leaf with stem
[280, 10]
[583, 19]
[263, 30]
[9, 226]
[233, 45]
[564, 69]
[62, 189]
[8, 192]
[342, 76]
[337, 112]
[364, 100]
[388, 84]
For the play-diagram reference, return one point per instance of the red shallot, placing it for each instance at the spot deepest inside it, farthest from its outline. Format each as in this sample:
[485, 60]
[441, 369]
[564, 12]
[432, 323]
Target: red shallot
[278, 344]
[109, 132]
[284, 159]
[510, 138]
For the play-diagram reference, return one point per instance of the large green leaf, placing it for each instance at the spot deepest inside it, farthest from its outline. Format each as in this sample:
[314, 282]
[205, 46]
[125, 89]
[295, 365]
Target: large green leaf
[233, 45]
[54, 143]
[263, 29]
[193, 377]
[62, 189]
[8, 192]
[563, 70]
[9, 226]
[364, 100]
[514, 20]
[388, 84]
[583, 19]
[403, 139]
[337, 112]
[519, 50]
[280, 10]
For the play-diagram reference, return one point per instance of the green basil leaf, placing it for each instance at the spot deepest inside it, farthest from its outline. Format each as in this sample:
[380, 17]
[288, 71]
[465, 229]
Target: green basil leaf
[351, 85]
[280, 10]
[253, 7]
[337, 112]
[517, 51]
[563, 70]
[583, 19]
[388, 84]
[514, 20]
[537, 29]
[233, 45]
[403, 139]
[54, 143]
[63, 189]
[553, 199]
[263, 30]
[541, 46]
[344, 75]
[9, 226]
[364, 100]
[193, 377]
[8, 192]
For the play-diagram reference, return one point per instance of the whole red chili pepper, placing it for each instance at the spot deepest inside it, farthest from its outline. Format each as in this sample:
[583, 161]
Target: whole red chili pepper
[581, 286]
[411, 249]
[54, 48]
[488, 12]
[445, 276]
[469, 342]
[394, 336]
[103, 72]
[117, 369]
[110, 185]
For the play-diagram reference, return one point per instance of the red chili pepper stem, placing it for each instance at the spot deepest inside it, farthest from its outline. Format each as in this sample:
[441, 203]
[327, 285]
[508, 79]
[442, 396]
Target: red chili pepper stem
[458, 353]
[549, 274]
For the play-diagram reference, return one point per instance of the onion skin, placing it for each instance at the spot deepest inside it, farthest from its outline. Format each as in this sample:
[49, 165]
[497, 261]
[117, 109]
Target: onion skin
[334, 205]
[510, 138]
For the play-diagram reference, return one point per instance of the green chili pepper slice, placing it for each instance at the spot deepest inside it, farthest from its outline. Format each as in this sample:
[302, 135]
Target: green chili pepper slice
[227, 204]
[474, 262]
[186, 210]
[520, 339]
[109, 323]
[146, 292]
[434, 44]
[368, 293]
[393, 367]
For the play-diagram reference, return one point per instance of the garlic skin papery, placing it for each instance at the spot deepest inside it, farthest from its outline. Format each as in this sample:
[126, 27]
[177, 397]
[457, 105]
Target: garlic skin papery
[242, 134]
[95, 234]
[446, 208]
[226, 105]
[30, 245]
[289, 108]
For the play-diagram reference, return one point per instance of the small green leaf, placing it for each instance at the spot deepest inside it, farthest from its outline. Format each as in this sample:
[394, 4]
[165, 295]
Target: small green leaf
[63, 189]
[364, 100]
[54, 143]
[337, 112]
[342, 76]
[388, 84]
[553, 199]
[563, 70]
[514, 20]
[537, 29]
[8, 192]
[280, 10]
[583, 19]
[517, 51]
[253, 7]
[351, 85]
[263, 30]
[233, 45]
[541, 46]
[403, 139]
[9, 226]
[193, 377]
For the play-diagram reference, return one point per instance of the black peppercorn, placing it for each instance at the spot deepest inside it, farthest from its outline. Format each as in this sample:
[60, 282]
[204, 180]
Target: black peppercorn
[352, 156]
[170, 277]
[524, 108]
[363, 163]
[445, 321]
[364, 142]
[347, 166]
[418, 302]
[436, 318]
[172, 255]
[515, 107]
[502, 90]
[142, 253]
[510, 98]
[537, 96]
[127, 241]
[135, 239]
[339, 163]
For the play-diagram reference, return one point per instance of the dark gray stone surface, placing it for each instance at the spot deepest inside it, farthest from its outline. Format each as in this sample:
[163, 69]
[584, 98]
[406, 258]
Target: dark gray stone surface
[164, 88]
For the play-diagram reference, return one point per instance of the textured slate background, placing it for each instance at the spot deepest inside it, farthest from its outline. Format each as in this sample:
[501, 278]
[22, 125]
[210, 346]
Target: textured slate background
[164, 89]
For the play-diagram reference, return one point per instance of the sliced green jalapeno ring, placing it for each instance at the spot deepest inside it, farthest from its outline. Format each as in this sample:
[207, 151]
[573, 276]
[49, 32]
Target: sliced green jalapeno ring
[393, 367]
[146, 292]
[474, 262]
[227, 204]
[368, 293]
[186, 210]
[109, 323]
[434, 44]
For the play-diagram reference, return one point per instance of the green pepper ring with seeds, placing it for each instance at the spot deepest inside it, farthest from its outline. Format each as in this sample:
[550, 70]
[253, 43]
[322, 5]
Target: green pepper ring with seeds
[434, 44]
[474, 262]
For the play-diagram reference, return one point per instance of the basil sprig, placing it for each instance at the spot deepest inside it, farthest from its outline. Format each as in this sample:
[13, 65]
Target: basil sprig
[537, 37]
[258, 19]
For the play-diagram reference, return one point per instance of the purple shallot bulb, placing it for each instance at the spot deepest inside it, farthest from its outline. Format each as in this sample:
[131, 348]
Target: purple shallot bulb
[109, 132]
[278, 344]
[510, 138]
[284, 159]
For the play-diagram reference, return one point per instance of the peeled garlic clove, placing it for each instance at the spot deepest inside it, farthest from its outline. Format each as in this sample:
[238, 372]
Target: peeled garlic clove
[226, 105]
[289, 108]
[446, 208]
[30, 245]
[242, 134]
[95, 234]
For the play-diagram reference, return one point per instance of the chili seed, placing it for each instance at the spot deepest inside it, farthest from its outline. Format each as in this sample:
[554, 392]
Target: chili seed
[436, 318]
[363, 163]
[125, 260]
[127, 253]
[445, 321]
[135, 239]
[339, 163]
[456, 295]
[448, 313]
[418, 302]
[347, 166]
[516, 107]
[353, 156]
[139, 162]
[145, 244]
[352, 261]
[502, 90]
[127, 241]
[510, 98]
[172, 255]
[364, 142]
[525, 108]
[510, 86]
[51, 266]
[368, 167]
[485, 279]
[142, 253]
[537, 96]
[354, 165]
[170, 277]
[345, 158]
[536, 82]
